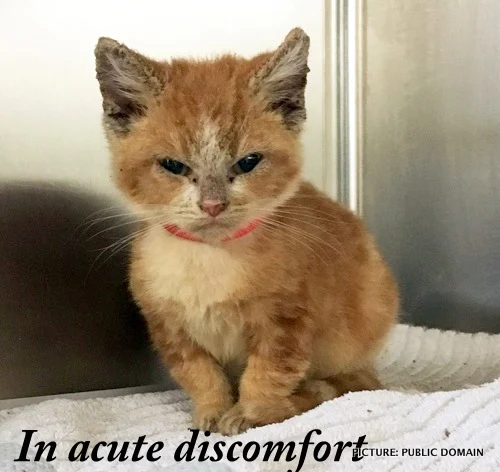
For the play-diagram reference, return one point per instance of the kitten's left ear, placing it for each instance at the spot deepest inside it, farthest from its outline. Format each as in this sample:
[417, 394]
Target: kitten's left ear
[128, 80]
[282, 79]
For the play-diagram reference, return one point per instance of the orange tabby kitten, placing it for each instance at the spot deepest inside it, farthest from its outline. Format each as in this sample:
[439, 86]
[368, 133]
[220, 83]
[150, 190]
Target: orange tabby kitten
[263, 296]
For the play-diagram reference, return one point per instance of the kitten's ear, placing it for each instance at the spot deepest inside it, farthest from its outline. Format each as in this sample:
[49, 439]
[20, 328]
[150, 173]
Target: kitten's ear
[127, 81]
[282, 79]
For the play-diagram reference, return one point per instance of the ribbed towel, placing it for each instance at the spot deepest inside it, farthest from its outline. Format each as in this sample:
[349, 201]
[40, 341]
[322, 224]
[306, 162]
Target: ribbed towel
[442, 399]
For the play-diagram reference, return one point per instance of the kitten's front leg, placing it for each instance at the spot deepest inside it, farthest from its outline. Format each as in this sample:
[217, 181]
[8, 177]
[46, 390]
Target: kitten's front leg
[280, 350]
[197, 372]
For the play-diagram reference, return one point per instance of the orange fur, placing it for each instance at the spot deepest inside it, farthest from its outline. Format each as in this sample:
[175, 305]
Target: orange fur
[264, 327]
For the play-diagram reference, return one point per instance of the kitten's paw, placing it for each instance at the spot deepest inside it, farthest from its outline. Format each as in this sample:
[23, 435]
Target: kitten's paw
[233, 421]
[207, 418]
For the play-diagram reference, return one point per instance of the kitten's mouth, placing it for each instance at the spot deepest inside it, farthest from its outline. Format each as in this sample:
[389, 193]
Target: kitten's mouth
[205, 236]
[213, 225]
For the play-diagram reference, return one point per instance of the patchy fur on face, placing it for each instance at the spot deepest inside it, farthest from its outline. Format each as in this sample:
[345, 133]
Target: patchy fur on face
[206, 115]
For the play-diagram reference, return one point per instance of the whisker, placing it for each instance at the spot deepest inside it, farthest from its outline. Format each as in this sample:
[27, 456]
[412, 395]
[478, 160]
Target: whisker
[101, 219]
[310, 236]
[293, 238]
[297, 232]
[303, 215]
[310, 212]
[94, 223]
[90, 218]
[121, 225]
[307, 210]
[119, 245]
[305, 222]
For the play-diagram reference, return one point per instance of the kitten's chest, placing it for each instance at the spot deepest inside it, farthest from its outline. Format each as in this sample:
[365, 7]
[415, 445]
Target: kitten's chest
[193, 274]
[219, 329]
[203, 280]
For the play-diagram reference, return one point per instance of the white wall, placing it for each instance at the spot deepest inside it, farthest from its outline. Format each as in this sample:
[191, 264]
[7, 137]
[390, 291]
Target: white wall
[50, 102]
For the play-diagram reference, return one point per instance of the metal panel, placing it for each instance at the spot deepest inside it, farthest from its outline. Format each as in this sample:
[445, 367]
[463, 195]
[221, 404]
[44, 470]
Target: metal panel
[431, 174]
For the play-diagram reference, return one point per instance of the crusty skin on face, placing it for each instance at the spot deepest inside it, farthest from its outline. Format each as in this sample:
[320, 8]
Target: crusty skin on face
[263, 327]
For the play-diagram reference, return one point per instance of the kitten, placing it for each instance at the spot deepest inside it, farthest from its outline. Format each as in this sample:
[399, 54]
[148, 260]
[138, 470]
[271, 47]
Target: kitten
[263, 296]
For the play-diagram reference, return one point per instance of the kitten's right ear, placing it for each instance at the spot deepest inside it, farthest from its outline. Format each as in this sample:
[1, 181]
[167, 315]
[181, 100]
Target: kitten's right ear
[128, 80]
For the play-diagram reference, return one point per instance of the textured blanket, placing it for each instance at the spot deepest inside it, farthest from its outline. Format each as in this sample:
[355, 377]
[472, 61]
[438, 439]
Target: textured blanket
[440, 412]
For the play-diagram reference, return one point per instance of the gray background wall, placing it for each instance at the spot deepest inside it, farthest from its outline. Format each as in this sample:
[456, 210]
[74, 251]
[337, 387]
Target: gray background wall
[432, 155]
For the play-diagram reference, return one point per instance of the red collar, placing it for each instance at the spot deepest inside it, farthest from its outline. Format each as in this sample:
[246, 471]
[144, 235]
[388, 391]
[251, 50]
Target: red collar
[239, 233]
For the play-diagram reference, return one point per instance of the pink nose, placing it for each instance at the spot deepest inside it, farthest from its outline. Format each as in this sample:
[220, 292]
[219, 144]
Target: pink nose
[213, 207]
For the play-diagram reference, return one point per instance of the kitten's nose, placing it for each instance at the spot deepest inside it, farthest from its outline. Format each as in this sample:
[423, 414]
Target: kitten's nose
[213, 207]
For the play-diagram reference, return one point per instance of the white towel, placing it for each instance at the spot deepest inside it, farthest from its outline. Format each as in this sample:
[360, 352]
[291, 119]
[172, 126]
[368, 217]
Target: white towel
[442, 399]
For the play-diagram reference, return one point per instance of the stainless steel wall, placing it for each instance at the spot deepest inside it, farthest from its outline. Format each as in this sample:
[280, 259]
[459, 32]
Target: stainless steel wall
[431, 154]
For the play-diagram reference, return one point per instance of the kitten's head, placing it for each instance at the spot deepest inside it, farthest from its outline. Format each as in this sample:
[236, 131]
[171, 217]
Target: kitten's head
[208, 145]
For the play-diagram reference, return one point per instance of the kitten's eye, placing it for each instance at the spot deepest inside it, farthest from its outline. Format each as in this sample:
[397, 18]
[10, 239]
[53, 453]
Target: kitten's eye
[248, 163]
[175, 167]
